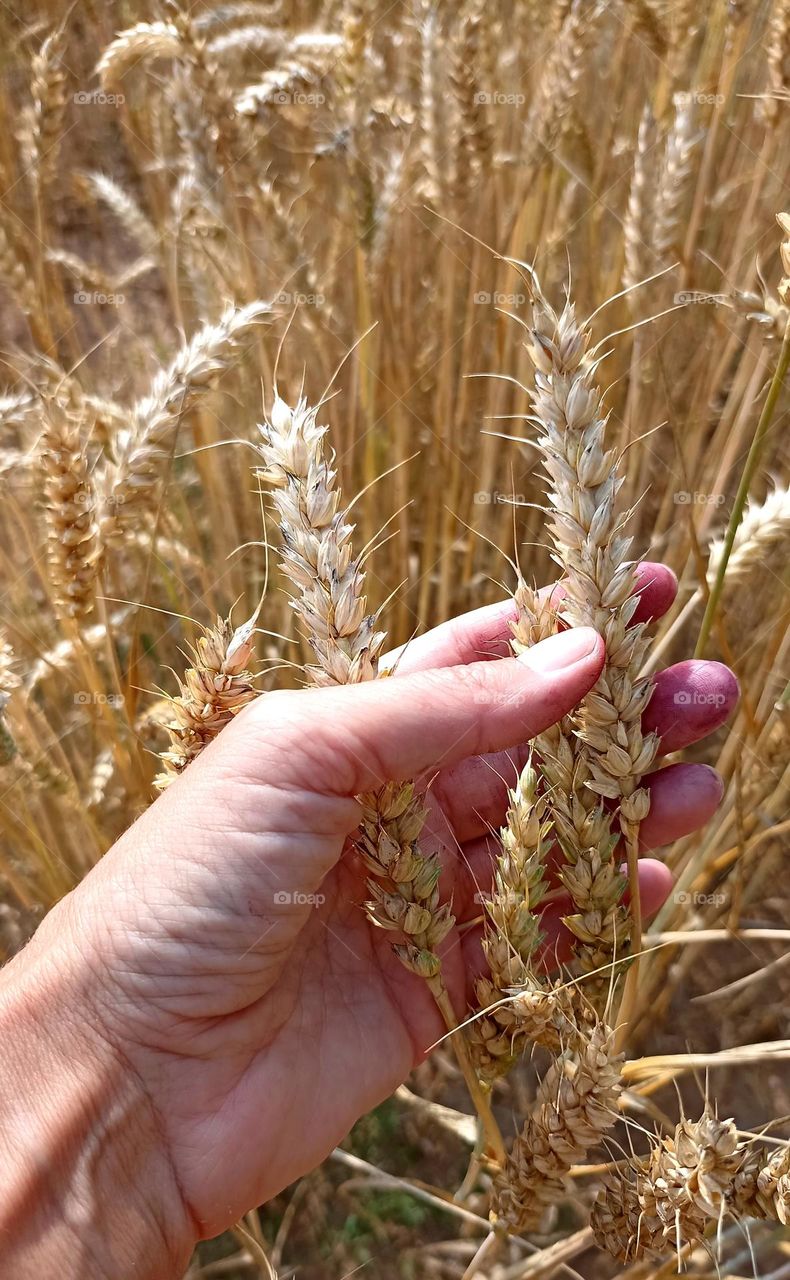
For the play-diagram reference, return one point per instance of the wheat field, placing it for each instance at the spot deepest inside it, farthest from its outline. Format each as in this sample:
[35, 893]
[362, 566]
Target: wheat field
[528, 265]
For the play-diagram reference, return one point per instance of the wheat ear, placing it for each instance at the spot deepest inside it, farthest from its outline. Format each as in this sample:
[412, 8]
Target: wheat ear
[764, 530]
[45, 116]
[667, 1199]
[132, 487]
[576, 1105]
[70, 513]
[600, 753]
[218, 685]
[328, 595]
[519, 1008]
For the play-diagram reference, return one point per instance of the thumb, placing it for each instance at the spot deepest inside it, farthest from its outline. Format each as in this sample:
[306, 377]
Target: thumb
[349, 739]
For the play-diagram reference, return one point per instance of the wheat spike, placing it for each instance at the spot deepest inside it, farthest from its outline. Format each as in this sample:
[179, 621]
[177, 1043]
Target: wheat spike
[71, 513]
[133, 485]
[218, 685]
[527, 1010]
[43, 125]
[702, 1173]
[328, 596]
[673, 180]
[559, 78]
[602, 753]
[143, 41]
[639, 220]
[778, 60]
[126, 210]
[575, 1106]
[764, 530]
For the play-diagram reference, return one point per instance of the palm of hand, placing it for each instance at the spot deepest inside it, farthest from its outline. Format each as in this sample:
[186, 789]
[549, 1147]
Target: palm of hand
[262, 1028]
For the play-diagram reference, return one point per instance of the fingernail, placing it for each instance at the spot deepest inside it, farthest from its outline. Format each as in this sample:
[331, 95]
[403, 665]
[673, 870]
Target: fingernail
[561, 651]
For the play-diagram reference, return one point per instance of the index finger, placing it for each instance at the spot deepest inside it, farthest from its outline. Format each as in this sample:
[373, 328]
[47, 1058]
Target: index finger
[483, 634]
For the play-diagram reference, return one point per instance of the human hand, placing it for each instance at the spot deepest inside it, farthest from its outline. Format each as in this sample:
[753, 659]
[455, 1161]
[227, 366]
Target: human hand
[220, 953]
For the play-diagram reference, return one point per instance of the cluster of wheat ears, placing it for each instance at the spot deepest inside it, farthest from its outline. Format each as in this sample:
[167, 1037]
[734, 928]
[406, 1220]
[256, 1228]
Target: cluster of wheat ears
[362, 208]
